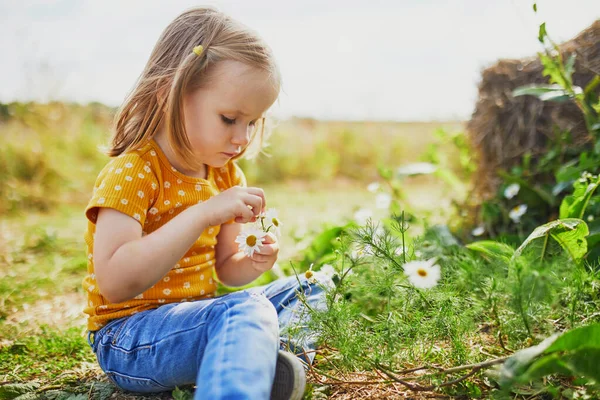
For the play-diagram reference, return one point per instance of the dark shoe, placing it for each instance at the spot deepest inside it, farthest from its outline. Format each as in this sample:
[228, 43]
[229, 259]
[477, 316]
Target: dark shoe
[290, 378]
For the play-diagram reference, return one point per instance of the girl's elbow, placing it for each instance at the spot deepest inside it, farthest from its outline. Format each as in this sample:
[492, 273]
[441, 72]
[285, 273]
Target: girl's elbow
[113, 288]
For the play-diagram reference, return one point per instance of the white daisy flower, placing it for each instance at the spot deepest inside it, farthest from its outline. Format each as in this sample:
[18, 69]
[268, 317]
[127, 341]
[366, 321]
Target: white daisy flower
[516, 213]
[373, 187]
[480, 230]
[383, 201]
[422, 274]
[328, 270]
[272, 220]
[363, 215]
[249, 241]
[511, 190]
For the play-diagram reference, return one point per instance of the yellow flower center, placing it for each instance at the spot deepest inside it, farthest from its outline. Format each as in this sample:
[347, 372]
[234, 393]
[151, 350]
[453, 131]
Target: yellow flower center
[422, 272]
[275, 222]
[251, 240]
[308, 274]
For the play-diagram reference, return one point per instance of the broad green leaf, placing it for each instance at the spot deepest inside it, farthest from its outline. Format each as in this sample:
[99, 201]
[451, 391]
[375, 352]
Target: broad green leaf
[583, 337]
[574, 353]
[493, 250]
[13, 390]
[569, 233]
[586, 362]
[546, 365]
[573, 206]
[517, 364]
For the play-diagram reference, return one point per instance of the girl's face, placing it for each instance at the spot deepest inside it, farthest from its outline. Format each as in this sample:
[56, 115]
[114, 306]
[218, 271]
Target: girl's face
[220, 118]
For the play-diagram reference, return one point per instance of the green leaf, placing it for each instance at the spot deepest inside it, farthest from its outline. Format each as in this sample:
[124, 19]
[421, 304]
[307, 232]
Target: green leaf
[534, 7]
[13, 390]
[570, 67]
[179, 394]
[548, 365]
[585, 362]
[536, 90]
[573, 206]
[583, 337]
[569, 233]
[517, 364]
[542, 32]
[493, 250]
[573, 353]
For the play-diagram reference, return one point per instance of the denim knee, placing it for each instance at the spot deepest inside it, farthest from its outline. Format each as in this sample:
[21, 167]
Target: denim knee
[257, 307]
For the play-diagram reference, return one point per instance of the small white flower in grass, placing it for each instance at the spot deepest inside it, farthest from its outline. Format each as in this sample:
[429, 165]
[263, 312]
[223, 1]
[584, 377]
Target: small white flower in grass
[511, 190]
[272, 222]
[516, 213]
[363, 215]
[480, 230]
[383, 201]
[310, 275]
[422, 274]
[590, 218]
[373, 187]
[249, 241]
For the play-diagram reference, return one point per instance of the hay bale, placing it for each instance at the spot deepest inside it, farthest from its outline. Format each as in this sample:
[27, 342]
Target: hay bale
[503, 127]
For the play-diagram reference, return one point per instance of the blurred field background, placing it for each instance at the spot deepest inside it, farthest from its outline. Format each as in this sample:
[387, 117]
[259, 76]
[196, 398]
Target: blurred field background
[51, 154]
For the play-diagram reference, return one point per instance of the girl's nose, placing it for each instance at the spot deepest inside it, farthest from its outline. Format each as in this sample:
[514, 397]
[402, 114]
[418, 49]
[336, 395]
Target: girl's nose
[241, 136]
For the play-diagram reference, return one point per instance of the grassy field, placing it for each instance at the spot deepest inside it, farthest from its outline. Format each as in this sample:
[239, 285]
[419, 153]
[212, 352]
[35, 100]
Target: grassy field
[316, 177]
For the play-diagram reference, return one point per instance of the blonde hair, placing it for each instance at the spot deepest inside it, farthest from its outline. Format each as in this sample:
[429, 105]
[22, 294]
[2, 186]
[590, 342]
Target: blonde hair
[175, 69]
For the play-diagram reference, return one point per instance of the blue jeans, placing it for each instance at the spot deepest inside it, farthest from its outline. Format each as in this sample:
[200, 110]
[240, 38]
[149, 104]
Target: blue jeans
[226, 345]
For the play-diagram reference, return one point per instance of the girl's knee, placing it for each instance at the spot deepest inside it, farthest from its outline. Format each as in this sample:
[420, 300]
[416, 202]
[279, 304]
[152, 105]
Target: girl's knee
[257, 307]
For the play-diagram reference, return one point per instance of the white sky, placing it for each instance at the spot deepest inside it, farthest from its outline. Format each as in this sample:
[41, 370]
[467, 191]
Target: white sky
[340, 59]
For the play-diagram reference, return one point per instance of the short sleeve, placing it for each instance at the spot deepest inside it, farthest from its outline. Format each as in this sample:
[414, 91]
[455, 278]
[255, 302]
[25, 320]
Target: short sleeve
[127, 184]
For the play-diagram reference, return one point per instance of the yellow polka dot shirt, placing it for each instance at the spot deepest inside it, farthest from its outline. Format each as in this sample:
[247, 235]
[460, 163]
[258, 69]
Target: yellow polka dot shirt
[144, 185]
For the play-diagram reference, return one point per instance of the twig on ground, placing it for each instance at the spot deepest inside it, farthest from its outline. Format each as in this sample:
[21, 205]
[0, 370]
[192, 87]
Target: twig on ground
[416, 387]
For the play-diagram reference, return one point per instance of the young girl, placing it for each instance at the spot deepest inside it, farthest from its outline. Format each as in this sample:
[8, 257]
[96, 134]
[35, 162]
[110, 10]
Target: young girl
[163, 221]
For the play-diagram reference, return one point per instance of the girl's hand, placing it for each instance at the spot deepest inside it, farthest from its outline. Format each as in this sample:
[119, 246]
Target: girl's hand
[239, 203]
[265, 259]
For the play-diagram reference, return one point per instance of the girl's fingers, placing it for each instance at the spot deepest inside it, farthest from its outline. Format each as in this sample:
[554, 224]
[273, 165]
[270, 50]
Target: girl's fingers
[260, 193]
[269, 238]
[246, 215]
[256, 202]
[268, 250]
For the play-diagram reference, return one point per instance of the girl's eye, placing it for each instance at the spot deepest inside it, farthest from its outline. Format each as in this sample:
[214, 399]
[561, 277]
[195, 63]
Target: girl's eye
[227, 121]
